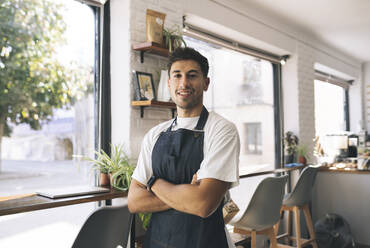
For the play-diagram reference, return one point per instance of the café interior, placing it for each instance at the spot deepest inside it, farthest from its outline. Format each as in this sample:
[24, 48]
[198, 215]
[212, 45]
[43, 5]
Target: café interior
[294, 78]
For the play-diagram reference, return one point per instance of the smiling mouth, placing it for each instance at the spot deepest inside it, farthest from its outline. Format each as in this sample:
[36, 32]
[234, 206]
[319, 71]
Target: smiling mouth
[184, 92]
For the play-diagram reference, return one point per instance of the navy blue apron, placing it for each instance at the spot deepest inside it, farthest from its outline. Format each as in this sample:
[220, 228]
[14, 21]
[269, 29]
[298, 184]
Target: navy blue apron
[176, 157]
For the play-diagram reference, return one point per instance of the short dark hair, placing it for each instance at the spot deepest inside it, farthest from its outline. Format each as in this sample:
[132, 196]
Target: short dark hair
[188, 53]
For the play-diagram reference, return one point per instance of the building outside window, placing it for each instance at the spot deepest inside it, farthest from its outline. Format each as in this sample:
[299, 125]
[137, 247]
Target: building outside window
[242, 90]
[253, 138]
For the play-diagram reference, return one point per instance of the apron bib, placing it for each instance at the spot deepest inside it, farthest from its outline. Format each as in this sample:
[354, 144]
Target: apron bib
[176, 157]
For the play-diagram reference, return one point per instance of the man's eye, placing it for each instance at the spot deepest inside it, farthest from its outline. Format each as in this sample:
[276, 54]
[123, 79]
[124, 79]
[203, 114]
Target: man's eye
[192, 75]
[177, 75]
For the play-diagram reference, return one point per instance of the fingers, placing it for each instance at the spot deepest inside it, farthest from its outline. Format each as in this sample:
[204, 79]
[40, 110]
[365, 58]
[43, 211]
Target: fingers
[195, 179]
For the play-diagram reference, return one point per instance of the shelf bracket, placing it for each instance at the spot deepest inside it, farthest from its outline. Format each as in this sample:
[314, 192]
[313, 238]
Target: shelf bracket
[141, 111]
[142, 56]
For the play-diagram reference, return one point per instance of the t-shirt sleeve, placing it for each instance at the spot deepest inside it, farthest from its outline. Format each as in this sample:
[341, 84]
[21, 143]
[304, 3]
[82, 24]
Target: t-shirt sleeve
[221, 159]
[143, 170]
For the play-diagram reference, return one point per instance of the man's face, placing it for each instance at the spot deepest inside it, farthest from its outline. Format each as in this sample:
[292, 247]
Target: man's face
[186, 85]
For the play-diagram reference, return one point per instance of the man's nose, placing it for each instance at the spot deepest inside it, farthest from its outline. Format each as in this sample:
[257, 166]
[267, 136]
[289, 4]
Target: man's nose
[184, 81]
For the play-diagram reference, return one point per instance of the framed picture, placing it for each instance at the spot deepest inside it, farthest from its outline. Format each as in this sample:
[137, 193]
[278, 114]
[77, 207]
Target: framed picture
[144, 86]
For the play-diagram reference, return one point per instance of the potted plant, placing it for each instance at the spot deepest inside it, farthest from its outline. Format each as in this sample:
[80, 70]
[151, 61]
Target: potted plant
[117, 166]
[302, 154]
[121, 178]
[290, 146]
[173, 38]
[101, 165]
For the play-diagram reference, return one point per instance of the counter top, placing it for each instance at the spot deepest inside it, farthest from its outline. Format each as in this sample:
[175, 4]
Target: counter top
[32, 202]
[343, 170]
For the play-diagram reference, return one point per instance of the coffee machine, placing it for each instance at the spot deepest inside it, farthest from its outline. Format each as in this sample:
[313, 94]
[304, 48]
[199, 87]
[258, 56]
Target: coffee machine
[336, 146]
[353, 142]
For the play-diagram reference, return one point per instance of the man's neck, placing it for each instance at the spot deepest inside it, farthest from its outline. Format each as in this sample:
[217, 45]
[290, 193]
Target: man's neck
[185, 113]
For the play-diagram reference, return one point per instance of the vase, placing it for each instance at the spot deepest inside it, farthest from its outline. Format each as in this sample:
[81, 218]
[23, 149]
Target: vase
[302, 160]
[104, 179]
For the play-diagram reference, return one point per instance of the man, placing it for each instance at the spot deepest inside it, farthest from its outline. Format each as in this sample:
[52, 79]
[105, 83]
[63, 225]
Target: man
[186, 165]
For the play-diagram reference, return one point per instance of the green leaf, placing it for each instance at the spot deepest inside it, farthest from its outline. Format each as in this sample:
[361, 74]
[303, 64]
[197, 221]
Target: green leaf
[29, 70]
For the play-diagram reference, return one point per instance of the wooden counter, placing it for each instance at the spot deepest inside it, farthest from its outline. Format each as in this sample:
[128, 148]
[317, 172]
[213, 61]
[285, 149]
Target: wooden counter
[32, 202]
[343, 170]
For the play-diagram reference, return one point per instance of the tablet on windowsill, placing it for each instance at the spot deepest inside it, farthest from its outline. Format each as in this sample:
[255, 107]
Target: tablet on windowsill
[64, 192]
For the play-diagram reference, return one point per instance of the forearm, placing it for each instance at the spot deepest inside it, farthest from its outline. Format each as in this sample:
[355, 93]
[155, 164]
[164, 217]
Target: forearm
[190, 198]
[140, 200]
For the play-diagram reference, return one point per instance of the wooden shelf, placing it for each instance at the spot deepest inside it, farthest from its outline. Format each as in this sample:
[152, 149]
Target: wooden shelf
[150, 47]
[154, 103]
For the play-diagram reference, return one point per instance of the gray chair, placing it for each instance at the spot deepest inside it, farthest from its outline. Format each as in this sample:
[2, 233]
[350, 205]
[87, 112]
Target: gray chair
[297, 200]
[107, 227]
[263, 211]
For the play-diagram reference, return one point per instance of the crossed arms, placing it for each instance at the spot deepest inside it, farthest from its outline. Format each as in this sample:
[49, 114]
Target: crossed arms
[199, 198]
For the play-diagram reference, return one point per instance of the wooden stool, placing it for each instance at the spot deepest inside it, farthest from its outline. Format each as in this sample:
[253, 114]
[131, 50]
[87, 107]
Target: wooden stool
[300, 242]
[298, 200]
[253, 233]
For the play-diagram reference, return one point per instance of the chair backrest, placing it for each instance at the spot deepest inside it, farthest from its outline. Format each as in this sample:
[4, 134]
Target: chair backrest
[302, 192]
[107, 227]
[263, 210]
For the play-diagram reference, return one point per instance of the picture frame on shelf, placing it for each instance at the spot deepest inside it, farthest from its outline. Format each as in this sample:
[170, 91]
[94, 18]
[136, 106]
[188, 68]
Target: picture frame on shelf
[144, 86]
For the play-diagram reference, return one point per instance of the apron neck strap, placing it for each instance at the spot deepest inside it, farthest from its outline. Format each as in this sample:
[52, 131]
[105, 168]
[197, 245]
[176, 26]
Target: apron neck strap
[202, 119]
[201, 122]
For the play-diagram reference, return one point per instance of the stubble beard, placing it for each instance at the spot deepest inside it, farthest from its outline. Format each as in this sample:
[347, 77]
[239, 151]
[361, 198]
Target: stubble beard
[189, 105]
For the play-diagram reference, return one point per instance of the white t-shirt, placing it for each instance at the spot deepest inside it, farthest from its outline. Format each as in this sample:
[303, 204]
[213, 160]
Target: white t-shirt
[221, 150]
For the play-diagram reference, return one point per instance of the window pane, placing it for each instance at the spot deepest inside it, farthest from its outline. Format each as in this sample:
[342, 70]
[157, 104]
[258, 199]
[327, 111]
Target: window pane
[57, 120]
[48, 70]
[241, 90]
[329, 108]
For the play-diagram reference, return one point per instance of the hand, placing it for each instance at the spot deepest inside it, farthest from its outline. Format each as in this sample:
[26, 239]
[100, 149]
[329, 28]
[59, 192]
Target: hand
[195, 179]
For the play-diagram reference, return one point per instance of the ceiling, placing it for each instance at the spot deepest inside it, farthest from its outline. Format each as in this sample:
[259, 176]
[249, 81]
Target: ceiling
[342, 24]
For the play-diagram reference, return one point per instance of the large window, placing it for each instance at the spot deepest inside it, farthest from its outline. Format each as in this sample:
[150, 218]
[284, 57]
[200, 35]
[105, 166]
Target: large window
[330, 108]
[242, 90]
[48, 80]
[54, 117]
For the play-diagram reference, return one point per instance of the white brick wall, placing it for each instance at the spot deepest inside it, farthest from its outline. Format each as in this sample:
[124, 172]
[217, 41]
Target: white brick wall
[306, 98]
[152, 64]
[366, 92]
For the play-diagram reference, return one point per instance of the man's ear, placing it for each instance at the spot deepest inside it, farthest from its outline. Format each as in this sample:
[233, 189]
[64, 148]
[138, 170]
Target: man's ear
[206, 84]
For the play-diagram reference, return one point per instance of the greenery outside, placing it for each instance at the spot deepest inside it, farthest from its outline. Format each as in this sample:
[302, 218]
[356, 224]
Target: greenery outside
[33, 82]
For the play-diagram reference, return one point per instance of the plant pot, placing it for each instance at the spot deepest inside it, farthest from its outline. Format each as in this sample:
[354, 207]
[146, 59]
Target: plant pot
[302, 160]
[104, 179]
